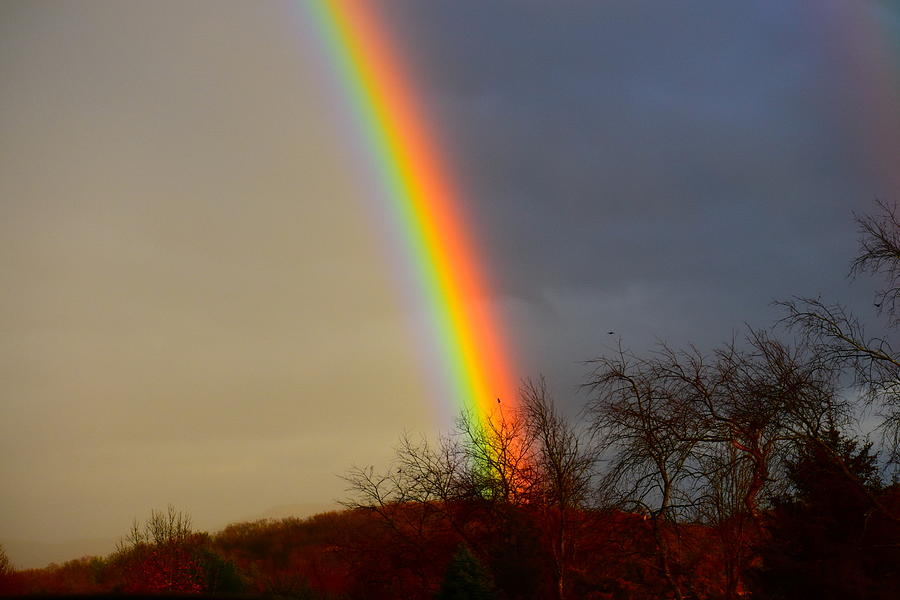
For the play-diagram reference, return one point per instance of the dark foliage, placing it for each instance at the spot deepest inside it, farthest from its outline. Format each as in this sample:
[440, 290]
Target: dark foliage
[828, 539]
[466, 579]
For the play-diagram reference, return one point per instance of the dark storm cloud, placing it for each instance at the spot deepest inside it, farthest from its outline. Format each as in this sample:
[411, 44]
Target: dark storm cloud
[661, 170]
[697, 152]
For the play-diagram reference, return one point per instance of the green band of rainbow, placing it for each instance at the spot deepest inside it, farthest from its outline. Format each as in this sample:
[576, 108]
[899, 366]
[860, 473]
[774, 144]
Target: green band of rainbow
[424, 203]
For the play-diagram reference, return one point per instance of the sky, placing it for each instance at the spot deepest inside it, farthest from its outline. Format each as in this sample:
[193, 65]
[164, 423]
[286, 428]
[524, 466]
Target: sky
[202, 305]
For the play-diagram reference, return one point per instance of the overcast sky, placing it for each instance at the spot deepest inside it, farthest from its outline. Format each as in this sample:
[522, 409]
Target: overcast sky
[199, 307]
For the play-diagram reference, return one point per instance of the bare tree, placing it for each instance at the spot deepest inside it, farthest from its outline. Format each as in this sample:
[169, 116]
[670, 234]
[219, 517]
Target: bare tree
[879, 254]
[413, 496]
[169, 527]
[5, 566]
[840, 337]
[499, 454]
[466, 480]
[162, 554]
[646, 427]
[693, 436]
[529, 461]
[871, 360]
[565, 463]
[767, 400]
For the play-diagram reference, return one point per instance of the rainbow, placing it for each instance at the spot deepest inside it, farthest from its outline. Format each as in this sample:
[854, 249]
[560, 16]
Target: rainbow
[424, 205]
[866, 46]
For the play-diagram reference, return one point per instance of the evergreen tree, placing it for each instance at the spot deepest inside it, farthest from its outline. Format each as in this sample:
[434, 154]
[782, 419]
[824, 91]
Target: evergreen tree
[466, 579]
[820, 542]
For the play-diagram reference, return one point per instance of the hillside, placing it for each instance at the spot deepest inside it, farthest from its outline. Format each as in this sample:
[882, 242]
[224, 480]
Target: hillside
[411, 551]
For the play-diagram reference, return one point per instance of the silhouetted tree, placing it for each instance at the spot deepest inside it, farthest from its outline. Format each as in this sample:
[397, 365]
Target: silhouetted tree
[841, 338]
[5, 566]
[7, 584]
[879, 254]
[565, 467]
[511, 486]
[164, 554]
[694, 437]
[648, 431]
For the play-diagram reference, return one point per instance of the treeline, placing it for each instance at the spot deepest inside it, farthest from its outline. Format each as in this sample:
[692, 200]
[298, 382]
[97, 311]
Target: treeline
[745, 471]
[353, 555]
